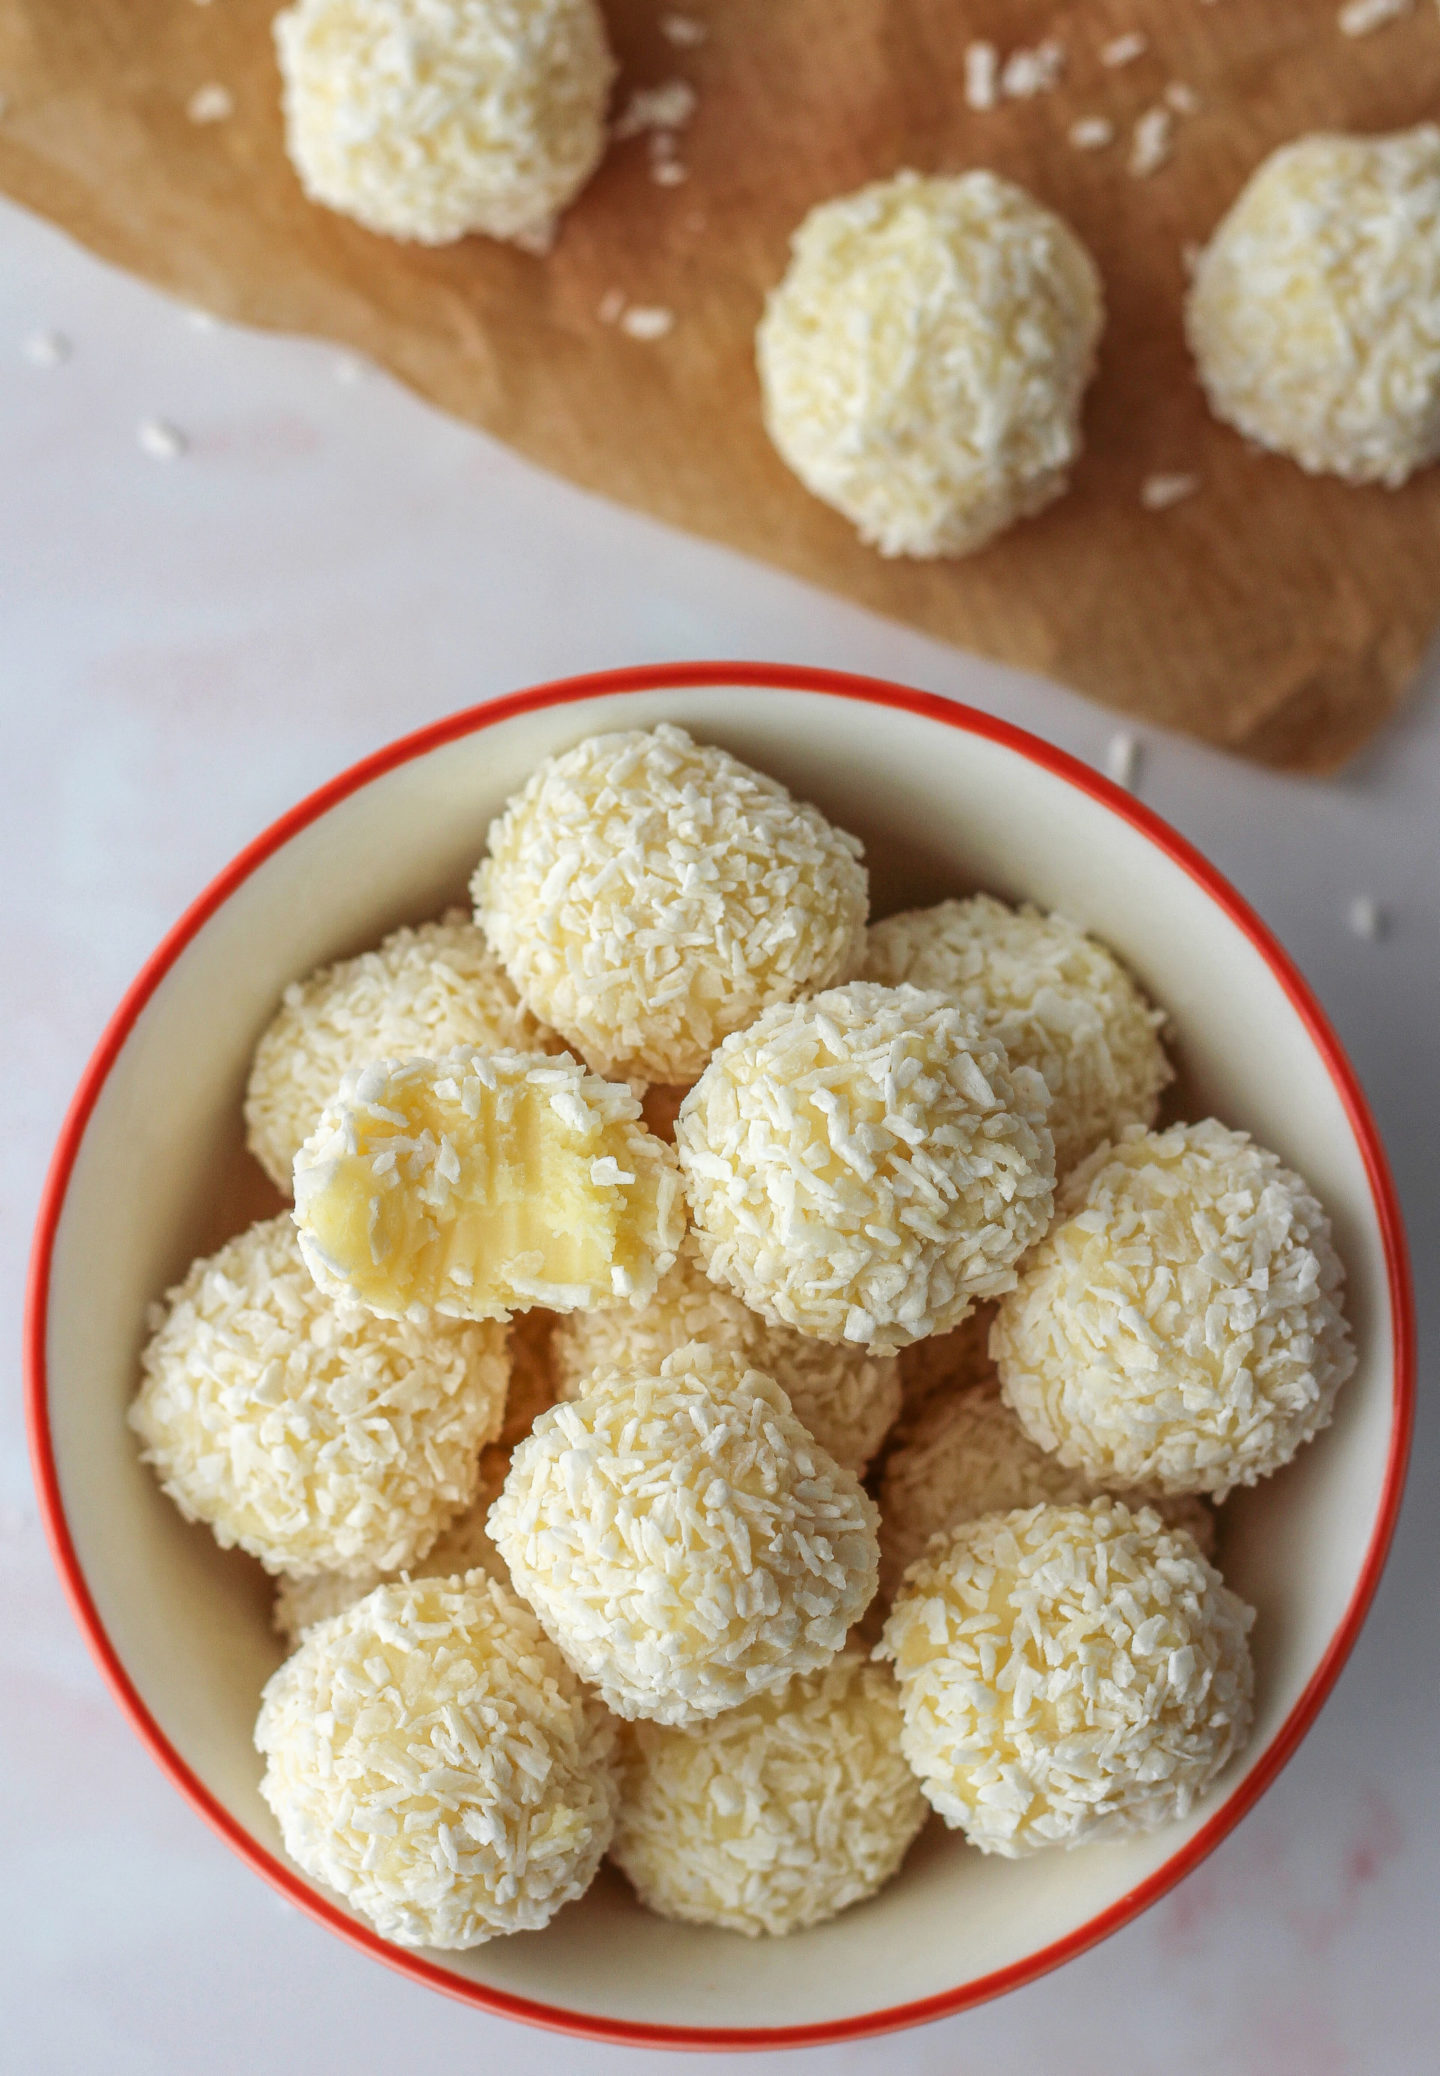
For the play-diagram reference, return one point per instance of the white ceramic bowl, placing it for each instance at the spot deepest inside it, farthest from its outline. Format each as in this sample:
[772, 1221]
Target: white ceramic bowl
[151, 1171]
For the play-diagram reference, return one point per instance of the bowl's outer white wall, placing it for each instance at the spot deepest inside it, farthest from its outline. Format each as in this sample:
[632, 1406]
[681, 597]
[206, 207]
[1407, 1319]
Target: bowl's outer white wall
[162, 1175]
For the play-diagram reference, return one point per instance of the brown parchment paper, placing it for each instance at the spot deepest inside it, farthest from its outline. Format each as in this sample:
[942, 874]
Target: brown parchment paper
[1274, 614]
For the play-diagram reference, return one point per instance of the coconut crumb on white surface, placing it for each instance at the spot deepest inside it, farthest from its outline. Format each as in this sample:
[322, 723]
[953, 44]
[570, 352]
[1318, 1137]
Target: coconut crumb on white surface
[1068, 1674]
[47, 349]
[1365, 918]
[1056, 999]
[1166, 488]
[779, 1814]
[685, 1541]
[432, 1759]
[967, 1455]
[1314, 312]
[647, 321]
[485, 1182]
[1092, 132]
[1361, 17]
[1123, 758]
[1124, 49]
[1180, 1325]
[210, 104]
[1152, 142]
[423, 990]
[649, 894]
[865, 1165]
[317, 1437]
[462, 1546]
[982, 76]
[923, 361]
[846, 1397]
[684, 31]
[161, 440]
[431, 119]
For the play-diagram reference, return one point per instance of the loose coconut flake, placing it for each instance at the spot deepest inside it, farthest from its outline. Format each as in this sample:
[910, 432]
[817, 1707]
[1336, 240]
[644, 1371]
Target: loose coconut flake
[778, 1814]
[1180, 1325]
[316, 1436]
[432, 1759]
[1068, 1674]
[686, 1542]
[649, 894]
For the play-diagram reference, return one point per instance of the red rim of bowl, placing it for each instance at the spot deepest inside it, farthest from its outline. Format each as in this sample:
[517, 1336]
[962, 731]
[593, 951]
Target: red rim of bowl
[833, 684]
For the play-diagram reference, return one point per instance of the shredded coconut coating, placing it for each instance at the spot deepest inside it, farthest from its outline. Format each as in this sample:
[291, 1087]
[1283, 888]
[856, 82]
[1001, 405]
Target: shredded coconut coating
[968, 1455]
[686, 1543]
[649, 894]
[1058, 1001]
[463, 1546]
[313, 1435]
[1068, 1674]
[481, 1181]
[779, 1814]
[425, 990]
[1180, 1324]
[429, 119]
[865, 1165]
[1314, 311]
[845, 1396]
[923, 361]
[432, 1758]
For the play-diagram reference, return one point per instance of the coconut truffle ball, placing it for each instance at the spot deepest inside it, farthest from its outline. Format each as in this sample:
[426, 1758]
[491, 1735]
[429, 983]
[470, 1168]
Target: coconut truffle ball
[463, 1546]
[687, 1543]
[922, 362]
[432, 1758]
[1314, 314]
[968, 1455]
[316, 1436]
[424, 991]
[1056, 999]
[649, 894]
[865, 1165]
[780, 1813]
[1180, 1324]
[481, 1181]
[1068, 1674]
[429, 119]
[847, 1397]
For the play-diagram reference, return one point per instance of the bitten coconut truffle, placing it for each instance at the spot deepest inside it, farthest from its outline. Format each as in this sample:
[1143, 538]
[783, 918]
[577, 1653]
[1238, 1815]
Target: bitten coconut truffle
[481, 1181]
[429, 119]
[649, 894]
[777, 1815]
[1314, 314]
[432, 1758]
[865, 1165]
[686, 1542]
[316, 1436]
[1180, 1324]
[968, 1455]
[922, 362]
[847, 1397]
[423, 991]
[1068, 1674]
[463, 1546]
[1056, 999]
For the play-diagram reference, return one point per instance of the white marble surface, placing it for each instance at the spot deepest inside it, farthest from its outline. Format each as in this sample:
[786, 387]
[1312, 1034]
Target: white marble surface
[187, 645]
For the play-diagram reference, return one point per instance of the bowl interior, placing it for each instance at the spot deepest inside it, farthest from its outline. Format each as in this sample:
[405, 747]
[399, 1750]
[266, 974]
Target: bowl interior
[161, 1175]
